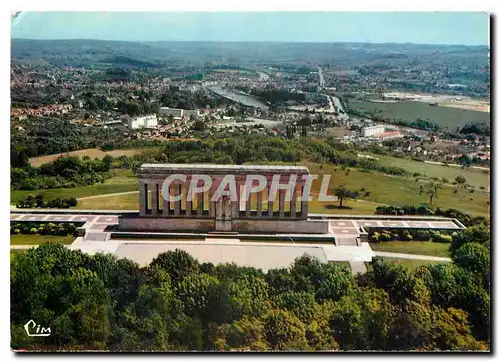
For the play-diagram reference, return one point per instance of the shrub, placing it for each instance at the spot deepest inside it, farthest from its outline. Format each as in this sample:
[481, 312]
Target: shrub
[441, 238]
[421, 235]
[385, 237]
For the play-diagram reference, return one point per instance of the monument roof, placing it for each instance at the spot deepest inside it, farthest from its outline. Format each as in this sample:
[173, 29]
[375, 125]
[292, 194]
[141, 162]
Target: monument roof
[212, 168]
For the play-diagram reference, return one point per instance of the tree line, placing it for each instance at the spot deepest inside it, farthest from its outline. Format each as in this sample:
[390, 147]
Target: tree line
[176, 303]
[63, 172]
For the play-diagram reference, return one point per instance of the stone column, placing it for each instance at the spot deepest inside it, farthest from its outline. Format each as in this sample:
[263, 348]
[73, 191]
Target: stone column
[166, 204]
[154, 198]
[212, 204]
[270, 204]
[248, 203]
[177, 204]
[235, 205]
[200, 200]
[293, 203]
[282, 194]
[189, 204]
[143, 197]
[259, 203]
[304, 206]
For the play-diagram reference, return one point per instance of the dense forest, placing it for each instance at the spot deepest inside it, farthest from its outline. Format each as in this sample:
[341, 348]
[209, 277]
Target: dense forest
[176, 303]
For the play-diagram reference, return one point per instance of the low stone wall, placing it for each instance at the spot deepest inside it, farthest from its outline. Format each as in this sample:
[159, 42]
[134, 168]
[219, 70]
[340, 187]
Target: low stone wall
[282, 226]
[242, 226]
[164, 224]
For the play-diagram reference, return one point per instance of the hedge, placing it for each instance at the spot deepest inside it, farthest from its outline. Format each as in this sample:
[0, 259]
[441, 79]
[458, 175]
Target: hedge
[38, 202]
[426, 210]
[61, 229]
[409, 235]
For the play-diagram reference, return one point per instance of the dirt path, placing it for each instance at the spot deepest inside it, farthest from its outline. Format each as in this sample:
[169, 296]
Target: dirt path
[106, 195]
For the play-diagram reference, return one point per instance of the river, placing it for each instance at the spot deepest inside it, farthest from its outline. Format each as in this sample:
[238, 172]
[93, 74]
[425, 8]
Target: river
[238, 97]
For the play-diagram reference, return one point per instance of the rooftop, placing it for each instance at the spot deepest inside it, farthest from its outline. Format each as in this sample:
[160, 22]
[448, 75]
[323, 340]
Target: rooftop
[180, 167]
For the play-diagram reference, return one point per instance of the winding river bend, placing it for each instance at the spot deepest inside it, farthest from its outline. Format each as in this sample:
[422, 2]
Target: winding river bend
[237, 97]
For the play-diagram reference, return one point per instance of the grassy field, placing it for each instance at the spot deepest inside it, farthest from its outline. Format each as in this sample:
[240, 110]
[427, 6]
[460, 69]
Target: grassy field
[122, 181]
[413, 247]
[385, 189]
[91, 152]
[410, 111]
[473, 176]
[20, 239]
[118, 202]
[411, 264]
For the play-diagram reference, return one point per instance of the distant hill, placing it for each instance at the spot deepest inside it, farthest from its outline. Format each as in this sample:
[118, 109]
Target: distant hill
[148, 54]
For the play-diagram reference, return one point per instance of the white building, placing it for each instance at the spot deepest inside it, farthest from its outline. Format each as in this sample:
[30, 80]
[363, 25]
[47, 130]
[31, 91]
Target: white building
[174, 112]
[180, 113]
[372, 131]
[148, 121]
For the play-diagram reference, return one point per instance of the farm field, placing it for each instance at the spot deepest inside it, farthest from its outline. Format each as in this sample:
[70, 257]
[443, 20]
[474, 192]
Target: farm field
[413, 247]
[450, 117]
[23, 239]
[91, 152]
[474, 177]
[123, 181]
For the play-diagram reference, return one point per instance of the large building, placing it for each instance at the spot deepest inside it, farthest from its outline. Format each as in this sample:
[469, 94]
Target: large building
[149, 121]
[178, 113]
[174, 112]
[257, 214]
[372, 131]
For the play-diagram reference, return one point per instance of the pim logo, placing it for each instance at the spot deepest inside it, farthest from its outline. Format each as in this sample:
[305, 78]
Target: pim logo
[40, 331]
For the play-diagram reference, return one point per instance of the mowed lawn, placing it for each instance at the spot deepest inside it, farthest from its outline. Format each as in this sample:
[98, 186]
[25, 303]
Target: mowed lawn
[21, 239]
[413, 247]
[474, 177]
[122, 181]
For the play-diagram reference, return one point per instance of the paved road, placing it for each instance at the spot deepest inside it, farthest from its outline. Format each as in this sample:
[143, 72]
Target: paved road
[410, 256]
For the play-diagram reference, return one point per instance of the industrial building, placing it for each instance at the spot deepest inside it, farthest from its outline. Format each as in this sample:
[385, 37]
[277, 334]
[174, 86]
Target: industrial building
[148, 121]
[372, 131]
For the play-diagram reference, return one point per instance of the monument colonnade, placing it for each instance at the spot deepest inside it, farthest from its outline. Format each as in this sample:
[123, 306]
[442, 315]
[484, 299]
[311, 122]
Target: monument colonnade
[152, 203]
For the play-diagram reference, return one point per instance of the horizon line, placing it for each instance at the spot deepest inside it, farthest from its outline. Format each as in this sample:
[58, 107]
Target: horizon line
[255, 41]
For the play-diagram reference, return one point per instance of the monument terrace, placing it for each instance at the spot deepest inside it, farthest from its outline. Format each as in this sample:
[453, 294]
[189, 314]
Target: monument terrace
[238, 198]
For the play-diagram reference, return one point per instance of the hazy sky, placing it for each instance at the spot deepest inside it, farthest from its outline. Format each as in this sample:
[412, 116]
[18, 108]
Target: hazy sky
[376, 27]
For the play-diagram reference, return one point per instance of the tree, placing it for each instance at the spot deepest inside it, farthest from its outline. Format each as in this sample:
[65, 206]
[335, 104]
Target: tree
[177, 263]
[342, 193]
[460, 180]
[244, 334]
[284, 331]
[479, 233]
[473, 257]
[198, 292]
[432, 190]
